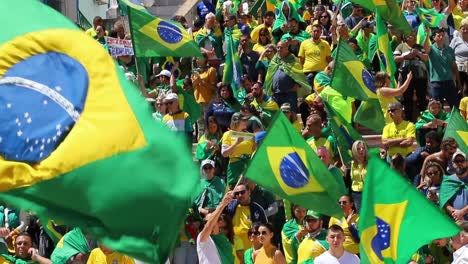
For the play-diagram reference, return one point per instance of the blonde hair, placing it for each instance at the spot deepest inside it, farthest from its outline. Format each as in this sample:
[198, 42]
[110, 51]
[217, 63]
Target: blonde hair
[464, 22]
[354, 150]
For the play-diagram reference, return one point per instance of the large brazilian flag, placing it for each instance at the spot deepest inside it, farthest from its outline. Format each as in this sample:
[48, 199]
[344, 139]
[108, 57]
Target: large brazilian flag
[77, 141]
[287, 166]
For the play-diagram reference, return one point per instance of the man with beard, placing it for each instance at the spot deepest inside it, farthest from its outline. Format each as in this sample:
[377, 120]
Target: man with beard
[314, 242]
[454, 189]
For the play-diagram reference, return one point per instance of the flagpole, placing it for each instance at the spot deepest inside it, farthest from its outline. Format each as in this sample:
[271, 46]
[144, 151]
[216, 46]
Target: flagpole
[133, 42]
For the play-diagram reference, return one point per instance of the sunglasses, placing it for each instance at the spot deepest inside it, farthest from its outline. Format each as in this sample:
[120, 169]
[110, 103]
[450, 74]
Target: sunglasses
[342, 202]
[208, 168]
[432, 173]
[239, 193]
[263, 233]
[255, 233]
[323, 16]
[392, 110]
[459, 161]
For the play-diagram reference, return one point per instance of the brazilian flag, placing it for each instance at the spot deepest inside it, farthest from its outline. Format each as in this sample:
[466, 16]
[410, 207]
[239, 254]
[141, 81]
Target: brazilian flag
[343, 131]
[429, 17]
[384, 49]
[350, 77]
[457, 129]
[78, 143]
[125, 5]
[395, 219]
[155, 37]
[286, 165]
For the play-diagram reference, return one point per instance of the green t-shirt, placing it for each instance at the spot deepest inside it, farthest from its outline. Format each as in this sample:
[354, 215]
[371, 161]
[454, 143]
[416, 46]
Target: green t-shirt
[440, 63]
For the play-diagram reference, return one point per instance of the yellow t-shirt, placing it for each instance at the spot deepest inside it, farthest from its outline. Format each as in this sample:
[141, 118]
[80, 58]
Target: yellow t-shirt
[321, 142]
[4, 261]
[358, 174]
[309, 248]
[204, 94]
[259, 48]
[464, 106]
[244, 148]
[315, 55]
[458, 16]
[98, 257]
[238, 246]
[384, 102]
[297, 125]
[404, 130]
[287, 246]
[242, 223]
[254, 35]
[307, 15]
[349, 244]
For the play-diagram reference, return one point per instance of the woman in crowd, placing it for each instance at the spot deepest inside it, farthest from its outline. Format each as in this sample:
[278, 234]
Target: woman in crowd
[386, 94]
[204, 81]
[253, 237]
[254, 124]
[223, 107]
[264, 38]
[293, 232]
[349, 224]
[459, 45]
[225, 226]
[238, 146]
[433, 179]
[264, 61]
[432, 119]
[324, 20]
[208, 145]
[358, 171]
[268, 253]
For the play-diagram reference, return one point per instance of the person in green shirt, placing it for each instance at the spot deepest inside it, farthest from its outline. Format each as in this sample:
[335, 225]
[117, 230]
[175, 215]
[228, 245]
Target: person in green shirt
[432, 119]
[293, 232]
[213, 188]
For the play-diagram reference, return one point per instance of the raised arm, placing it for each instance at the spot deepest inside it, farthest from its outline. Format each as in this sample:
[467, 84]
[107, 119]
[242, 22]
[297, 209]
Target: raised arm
[213, 220]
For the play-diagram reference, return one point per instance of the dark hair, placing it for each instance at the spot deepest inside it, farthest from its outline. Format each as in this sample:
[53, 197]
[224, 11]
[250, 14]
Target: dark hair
[269, 14]
[269, 226]
[25, 234]
[198, 23]
[247, 107]
[266, 32]
[293, 208]
[212, 120]
[449, 143]
[437, 31]
[254, 227]
[432, 135]
[229, 227]
[335, 228]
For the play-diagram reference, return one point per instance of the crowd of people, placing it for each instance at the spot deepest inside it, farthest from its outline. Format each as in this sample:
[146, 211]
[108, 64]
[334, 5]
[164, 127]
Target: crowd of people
[287, 61]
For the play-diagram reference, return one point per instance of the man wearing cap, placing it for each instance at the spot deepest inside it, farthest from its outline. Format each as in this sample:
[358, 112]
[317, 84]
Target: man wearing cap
[460, 245]
[314, 242]
[164, 86]
[213, 188]
[398, 136]
[176, 119]
[454, 189]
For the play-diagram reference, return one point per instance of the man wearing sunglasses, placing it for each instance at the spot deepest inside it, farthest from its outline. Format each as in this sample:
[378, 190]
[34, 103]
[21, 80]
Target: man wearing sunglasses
[244, 213]
[398, 136]
[454, 189]
[314, 242]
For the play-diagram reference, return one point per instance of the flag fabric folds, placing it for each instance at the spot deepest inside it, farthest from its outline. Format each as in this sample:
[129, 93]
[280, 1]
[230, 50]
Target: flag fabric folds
[389, 10]
[343, 131]
[72, 243]
[286, 165]
[385, 53]
[79, 144]
[457, 129]
[155, 37]
[125, 5]
[369, 114]
[232, 68]
[429, 17]
[350, 77]
[393, 222]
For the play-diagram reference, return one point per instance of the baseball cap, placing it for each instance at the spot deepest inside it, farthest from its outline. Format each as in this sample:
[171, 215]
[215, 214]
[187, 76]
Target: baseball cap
[164, 73]
[207, 162]
[286, 107]
[171, 96]
[457, 153]
[314, 214]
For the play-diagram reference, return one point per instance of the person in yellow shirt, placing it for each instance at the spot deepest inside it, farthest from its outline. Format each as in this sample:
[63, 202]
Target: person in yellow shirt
[238, 146]
[97, 21]
[105, 255]
[358, 171]
[464, 107]
[349, 224]
[459, 13]
[314, 242]
[398, 136]
[314, 54]
[268, 20]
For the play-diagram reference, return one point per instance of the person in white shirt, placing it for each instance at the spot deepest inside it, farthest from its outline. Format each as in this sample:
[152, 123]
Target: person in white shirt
[460, 245]
[336, 253]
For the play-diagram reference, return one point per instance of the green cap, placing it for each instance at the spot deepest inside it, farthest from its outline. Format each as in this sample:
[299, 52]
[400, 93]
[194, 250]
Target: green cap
[314, 214]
